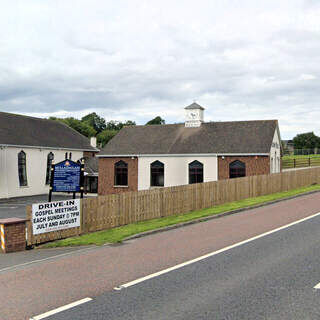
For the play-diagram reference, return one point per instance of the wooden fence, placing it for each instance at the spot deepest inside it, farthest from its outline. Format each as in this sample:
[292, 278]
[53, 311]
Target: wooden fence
[301, 162]
[114, 210]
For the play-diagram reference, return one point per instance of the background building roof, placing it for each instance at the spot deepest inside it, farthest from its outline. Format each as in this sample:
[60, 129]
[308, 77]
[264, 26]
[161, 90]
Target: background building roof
[213, 137]
[91, 165]
[19, 130]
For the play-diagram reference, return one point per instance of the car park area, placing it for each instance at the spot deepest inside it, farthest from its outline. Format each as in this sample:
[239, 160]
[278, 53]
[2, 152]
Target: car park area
[16, 207]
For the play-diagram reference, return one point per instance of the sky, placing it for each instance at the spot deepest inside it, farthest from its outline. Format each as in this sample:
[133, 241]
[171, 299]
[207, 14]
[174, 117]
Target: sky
[138, 59]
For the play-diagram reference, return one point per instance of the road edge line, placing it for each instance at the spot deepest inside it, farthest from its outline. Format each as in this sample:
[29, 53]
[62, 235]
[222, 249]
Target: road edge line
[16, 266]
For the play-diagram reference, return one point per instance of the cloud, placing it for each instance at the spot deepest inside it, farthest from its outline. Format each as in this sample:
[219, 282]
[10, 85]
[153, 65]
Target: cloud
[138, 59]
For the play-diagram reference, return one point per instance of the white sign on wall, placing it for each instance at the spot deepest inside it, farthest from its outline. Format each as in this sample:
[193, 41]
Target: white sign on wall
[53, 216]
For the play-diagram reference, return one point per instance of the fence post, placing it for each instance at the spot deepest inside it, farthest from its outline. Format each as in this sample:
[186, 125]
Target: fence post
[294, 162]
[309, 162]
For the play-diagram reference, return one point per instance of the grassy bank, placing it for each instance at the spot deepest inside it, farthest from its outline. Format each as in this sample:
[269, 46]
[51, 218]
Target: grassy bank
[120, 233]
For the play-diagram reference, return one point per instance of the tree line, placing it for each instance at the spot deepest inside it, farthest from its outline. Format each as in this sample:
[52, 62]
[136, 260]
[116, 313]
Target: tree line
[306, 141]
[92, 125]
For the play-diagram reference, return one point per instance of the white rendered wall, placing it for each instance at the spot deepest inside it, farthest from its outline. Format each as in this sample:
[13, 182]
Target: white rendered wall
[176, 170]
[275, 154]
[36, 160]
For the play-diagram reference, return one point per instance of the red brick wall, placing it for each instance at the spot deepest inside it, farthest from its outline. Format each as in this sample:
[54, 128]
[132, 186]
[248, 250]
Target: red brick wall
[254, 166]
[15, 237]
[106, 175]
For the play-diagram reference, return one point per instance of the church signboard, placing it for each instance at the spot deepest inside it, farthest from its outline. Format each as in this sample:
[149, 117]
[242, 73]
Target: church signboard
[67, 176]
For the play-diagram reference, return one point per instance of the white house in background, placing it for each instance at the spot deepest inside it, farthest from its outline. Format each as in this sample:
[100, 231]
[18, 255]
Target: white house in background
[28, 146]
[144, 157]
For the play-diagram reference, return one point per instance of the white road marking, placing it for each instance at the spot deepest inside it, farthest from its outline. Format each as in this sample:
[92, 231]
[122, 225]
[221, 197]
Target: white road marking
[45, 259]
[181, 265]
[66, 307]
[6, 207]
[317, 286]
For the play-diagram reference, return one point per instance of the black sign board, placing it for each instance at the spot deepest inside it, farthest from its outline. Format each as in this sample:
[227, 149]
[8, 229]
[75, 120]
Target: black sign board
[67, 176]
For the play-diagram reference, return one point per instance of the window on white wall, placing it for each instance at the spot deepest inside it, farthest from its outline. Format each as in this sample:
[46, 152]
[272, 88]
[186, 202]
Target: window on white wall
[22, 169]
[157, 174]
[50, 158]
[195, 172]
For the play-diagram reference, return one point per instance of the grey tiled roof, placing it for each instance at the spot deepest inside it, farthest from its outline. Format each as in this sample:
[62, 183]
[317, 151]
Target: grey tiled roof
[212, 137]
[194, 106]
[21, 130]
[91, 165]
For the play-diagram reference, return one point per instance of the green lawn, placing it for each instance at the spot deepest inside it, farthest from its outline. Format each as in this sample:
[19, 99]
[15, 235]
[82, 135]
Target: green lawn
[291, 157]
[120, 233]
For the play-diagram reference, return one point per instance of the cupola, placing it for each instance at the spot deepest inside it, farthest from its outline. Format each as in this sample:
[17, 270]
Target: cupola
[194, 115]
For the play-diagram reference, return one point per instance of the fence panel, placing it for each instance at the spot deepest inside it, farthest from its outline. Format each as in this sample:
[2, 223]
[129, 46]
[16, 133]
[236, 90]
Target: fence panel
[114, 210]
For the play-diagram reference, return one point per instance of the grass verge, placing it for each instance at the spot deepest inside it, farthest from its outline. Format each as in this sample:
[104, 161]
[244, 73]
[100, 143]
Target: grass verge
[120, 233]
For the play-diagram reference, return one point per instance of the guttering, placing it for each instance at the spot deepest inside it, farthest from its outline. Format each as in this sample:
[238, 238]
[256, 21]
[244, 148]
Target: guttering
[182, 155]
[242, 154]
[49, 148]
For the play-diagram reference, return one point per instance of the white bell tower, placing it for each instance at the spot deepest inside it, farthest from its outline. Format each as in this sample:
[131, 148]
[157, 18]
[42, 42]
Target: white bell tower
[194, 115]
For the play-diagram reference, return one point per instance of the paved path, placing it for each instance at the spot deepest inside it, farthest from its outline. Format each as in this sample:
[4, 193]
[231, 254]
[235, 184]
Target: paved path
[42, 286]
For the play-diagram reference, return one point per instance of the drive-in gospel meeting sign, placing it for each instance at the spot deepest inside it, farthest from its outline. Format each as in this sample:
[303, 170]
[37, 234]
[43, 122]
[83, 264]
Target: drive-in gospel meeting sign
[53, 216]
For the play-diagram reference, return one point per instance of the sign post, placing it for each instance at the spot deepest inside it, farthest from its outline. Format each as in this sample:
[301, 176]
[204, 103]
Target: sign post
[67, 176]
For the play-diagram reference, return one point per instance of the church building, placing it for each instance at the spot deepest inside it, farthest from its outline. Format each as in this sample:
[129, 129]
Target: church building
[28, 147]
[153, 156]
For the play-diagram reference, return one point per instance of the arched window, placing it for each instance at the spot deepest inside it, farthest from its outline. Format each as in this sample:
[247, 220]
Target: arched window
[50, 158]
[237, 169]
[195, 172]
[121, 173]
[22, 169]
[157, 174]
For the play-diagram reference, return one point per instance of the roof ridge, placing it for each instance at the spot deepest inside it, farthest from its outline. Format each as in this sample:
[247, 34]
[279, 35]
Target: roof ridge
[182, 123]
[240, 121]
[23, 115]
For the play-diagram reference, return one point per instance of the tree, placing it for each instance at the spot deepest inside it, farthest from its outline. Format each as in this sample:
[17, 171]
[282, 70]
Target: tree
[129, 123]
[306, 141]
[156, 120]
[93, 125]
[114, 125]
[118, 125]
[105, 136]
[95, 121]
[82, 127]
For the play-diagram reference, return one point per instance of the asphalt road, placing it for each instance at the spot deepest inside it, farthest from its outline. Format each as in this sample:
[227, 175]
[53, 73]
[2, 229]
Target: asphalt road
[269, 278]
[16, 207]
[44, 284]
